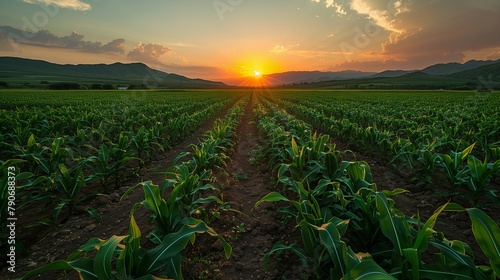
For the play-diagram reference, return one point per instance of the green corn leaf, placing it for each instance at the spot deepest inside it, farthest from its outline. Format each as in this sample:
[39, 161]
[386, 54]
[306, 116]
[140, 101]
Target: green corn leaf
[173, 266]
[452, 254]
[368, 269]
[57, 265]
[392, 226]
[394, 192]
[275, 197]
[156, 203]
[104, 257]
[58, 208]
[92, 244]
[83, 266]
[130, 255]
[207, 200]
[170, 246]
[94, 214]
[443, 273]
[31, 140]
[424, 233]
[278, 247]
[412, 256]
[465, 153]
[308, 238]
[352, 259]
[453, 207]
[477, 168]
[487, 235]
[330, 237]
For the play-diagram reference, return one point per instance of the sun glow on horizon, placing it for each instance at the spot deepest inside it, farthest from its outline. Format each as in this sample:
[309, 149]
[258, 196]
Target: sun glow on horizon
[257, 74]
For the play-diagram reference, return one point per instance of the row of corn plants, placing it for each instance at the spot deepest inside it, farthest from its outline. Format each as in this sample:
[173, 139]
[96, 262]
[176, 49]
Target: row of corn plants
[108, 141]
[60, 172]
[177, 209]
[351, 230]
[417, 140]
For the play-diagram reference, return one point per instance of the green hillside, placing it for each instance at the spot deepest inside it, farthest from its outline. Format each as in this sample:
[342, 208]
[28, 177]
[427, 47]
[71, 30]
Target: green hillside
[27, 73]
[486, 77]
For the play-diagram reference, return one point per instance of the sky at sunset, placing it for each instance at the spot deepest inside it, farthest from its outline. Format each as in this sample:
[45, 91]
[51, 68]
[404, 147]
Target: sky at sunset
[227, 39]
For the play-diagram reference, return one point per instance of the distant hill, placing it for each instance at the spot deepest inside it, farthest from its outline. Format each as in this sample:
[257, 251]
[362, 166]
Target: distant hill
[306, 77]
[455, 67]
[486, 77]
[487, 71]
[391, 73]
[21, 72]
[300, 77]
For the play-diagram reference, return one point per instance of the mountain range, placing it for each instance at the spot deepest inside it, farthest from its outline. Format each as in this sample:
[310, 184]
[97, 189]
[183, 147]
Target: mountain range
[304, 77]
[21, 72]
[483, 78]
[18, 72]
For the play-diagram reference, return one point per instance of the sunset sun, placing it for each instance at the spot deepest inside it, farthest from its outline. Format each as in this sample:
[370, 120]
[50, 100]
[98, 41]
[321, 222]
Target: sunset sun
[257, 74]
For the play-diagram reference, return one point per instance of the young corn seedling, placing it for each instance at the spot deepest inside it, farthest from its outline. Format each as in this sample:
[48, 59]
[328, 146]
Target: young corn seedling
[122, 257]
[111, 162]
[452, 165]
[480, 177]
[70, 183]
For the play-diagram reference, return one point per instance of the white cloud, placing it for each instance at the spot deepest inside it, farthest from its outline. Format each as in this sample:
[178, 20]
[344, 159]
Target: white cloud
[77, 5]
[279, 49]
[339, 9]
[382, 17]
[150, 53]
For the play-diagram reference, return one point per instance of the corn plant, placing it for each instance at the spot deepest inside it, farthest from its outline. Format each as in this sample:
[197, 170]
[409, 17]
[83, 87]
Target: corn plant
[452, 165]
[409, 242]
[223, 130]
[480, 175]
[122, 257]
[486, 233]
[112, 162]
[185, 200]
[70, 183]
[144, 143]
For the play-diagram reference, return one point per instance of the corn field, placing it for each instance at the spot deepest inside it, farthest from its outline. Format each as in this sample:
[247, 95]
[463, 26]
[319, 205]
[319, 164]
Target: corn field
[70, 148]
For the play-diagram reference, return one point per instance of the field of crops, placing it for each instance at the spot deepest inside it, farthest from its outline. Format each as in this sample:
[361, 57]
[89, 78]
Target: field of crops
[63, 150]
[418, 132]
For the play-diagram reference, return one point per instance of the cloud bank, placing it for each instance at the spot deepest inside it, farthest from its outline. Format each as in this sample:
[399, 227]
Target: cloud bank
[420, 33]
[76, 5]
[12, 37]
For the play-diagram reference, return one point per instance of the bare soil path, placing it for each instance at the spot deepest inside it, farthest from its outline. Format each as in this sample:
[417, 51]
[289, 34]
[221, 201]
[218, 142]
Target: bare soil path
[252, 232]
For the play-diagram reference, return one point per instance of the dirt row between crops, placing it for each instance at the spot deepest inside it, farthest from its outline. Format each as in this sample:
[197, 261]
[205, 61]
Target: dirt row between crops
[45, 244]
[251, 231]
